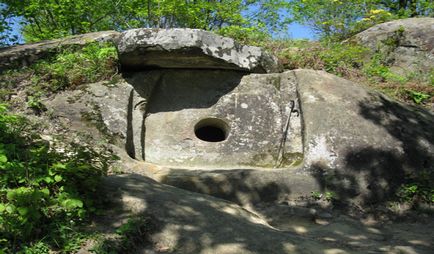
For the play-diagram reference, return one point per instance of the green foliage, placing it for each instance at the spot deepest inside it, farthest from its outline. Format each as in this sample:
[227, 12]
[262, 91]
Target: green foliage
[338, 56]
[34, 102]
[377, 69]
[316, 195]
[328, 18]
[328, 196]
[72, 67]
[44, 193]
[356, 63]
[58, 18]
[339, 19]
[417, 189]
[418, 97]
[340, 59]
[248, 36]
[67, 69]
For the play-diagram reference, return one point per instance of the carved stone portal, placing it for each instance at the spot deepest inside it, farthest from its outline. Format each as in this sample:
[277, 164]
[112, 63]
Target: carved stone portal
[218, 119]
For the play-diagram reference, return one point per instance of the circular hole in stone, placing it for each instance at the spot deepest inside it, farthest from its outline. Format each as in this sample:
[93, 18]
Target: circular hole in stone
[211, 130]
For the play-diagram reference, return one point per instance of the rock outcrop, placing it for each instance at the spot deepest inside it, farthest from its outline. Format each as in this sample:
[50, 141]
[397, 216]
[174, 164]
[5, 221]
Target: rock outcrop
[24, 55]
[354, 142]
[406, 44]
[358, 142]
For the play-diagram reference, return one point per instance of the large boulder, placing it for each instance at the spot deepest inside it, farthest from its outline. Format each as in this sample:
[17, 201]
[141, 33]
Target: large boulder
[406, 44]
[357, 143]
[190, 48]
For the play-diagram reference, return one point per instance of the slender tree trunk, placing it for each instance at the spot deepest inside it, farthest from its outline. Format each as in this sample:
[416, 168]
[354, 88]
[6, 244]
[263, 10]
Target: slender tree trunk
[149, 14]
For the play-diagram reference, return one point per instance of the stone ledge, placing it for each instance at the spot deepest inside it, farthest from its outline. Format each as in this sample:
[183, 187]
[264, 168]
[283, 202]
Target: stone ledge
[190, 48]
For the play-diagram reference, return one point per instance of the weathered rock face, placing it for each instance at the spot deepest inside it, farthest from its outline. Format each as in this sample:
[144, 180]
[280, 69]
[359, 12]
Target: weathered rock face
[187, 222]
[24, 55]
[217, 119]
[190, 48]
[358, 142]
[354, 142]
[407, 44]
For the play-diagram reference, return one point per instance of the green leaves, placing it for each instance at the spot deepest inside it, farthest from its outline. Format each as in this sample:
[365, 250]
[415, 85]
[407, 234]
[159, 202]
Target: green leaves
[58, 18]
[71, 204]
[339, 19]
[69, 68]
[3, 158]
[58, 178]
[42, 190]
[418, 97]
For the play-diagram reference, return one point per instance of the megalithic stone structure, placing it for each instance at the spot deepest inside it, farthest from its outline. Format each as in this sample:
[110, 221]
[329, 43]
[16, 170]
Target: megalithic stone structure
[201, 108]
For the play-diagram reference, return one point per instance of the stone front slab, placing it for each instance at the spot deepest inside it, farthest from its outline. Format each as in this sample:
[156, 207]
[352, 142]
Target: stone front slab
[258, 115]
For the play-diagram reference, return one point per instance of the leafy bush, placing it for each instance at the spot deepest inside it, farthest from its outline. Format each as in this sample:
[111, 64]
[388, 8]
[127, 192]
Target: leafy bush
[44, 192]
[246, 35]
[418, 97]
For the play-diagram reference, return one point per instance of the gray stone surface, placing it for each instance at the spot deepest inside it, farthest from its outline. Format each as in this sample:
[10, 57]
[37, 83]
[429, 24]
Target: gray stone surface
[356, 142]
[100, 105]
[360, 143]
[190, 48]
[185, 222]
[24, 55]
[255, 108]
[341, 138]
[188, 222]
[407, 44]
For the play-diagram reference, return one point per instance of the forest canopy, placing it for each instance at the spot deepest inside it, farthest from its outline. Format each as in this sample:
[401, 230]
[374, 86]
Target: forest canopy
[243, 19]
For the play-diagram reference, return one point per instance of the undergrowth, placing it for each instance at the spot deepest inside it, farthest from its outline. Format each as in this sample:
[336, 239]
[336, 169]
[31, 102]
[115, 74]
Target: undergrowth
[356, 63]
[129, 237]
[68, 69]
[417, 189]
[46, 191]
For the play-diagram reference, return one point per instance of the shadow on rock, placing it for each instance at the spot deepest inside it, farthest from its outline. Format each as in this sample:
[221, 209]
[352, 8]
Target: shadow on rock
[373, 175]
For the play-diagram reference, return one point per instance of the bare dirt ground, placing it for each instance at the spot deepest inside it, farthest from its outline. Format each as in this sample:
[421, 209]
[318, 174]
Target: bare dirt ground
[188, 222]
